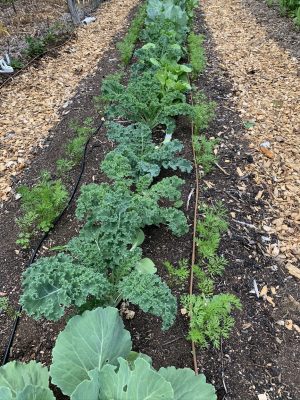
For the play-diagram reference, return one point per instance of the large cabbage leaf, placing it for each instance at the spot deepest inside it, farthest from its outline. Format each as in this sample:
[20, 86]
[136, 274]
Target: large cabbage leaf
[5, 393]
[123, 383]
[16, 376]
[89, 341]
[187, 385]
[35, 393]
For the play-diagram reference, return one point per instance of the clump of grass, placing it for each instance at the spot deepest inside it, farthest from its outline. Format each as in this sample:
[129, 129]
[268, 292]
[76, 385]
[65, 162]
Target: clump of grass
[40, 206]
[127, 45]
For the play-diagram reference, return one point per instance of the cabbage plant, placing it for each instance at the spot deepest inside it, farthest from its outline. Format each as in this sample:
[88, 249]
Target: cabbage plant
[93, 359]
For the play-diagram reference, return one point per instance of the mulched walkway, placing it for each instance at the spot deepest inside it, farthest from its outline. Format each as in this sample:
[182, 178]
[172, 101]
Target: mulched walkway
[30, 104]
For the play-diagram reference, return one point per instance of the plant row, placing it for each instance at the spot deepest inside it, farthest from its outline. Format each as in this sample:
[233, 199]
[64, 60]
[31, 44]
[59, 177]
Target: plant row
[92, 357]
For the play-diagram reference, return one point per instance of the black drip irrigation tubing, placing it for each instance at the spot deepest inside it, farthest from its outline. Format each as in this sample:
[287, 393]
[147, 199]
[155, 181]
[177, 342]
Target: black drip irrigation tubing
[46, 234]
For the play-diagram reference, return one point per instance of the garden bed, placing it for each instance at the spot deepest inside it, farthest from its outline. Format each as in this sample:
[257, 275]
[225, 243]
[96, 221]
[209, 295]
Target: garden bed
[248, 363]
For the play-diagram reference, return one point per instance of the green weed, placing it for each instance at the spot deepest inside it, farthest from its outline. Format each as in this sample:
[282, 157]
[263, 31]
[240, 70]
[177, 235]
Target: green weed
[6, 308]
[35, 47]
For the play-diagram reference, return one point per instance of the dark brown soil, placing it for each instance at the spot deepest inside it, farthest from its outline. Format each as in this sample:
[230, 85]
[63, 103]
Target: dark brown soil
[260, 356]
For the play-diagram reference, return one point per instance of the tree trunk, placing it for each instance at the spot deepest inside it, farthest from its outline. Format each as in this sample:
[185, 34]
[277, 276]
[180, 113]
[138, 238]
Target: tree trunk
[74, 12]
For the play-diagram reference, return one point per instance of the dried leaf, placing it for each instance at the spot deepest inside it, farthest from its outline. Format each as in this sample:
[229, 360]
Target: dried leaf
[288, 323]
[293, 270]
[270, 300]
[263, 291]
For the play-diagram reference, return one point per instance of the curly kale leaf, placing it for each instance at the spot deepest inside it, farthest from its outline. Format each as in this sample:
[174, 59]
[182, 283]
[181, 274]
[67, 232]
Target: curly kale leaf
[136, 154]
[52, 284]
[151, 294]
[144, 100]
[120, 213]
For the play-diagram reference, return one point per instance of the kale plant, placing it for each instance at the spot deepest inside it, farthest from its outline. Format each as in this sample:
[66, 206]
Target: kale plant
[144, 100]
[105, 258]
[137, 155]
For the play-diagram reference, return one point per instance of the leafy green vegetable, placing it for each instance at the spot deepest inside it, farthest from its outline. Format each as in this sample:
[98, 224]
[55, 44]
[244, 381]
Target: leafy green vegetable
[151, 295]
[144, 100]
[187, 385]
[210, 318]
[92, 360]
[137, 155]
[106, 251]
[24, 381]
[89, 341]
[161, 50]
[123, 383]
[167, 10]
[52, 284]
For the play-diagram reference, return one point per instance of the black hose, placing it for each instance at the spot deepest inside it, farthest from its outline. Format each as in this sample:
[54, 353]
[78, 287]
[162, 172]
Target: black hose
[44, 237]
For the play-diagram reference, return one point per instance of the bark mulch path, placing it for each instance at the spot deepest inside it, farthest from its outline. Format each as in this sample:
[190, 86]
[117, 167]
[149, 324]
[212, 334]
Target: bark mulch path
[266, 86]
[265, 91]
[30, 104]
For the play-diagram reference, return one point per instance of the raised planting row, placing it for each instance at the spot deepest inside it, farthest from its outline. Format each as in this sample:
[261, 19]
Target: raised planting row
[92, 358]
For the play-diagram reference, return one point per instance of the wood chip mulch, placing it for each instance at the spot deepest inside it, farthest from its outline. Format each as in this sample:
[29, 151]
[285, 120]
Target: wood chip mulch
[30, 104]
[266, 85]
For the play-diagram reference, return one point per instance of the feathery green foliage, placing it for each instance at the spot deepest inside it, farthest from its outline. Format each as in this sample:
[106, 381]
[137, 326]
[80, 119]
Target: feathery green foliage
[179, 274]
[204, 152]
[196, 53]
[75, 147]
[210, 228]
[204, 283]
[126, 46]
[210, 318]
[40, 206]
[204, 112]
